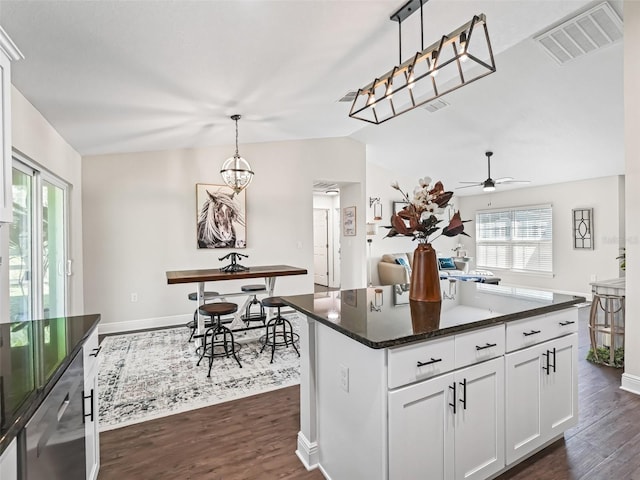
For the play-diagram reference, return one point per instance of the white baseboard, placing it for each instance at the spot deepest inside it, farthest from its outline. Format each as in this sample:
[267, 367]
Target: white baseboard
[307, 452]
[144, 323]
[630, 383]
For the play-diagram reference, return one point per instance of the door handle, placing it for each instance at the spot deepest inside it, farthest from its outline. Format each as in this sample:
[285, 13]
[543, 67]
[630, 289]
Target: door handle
[546, 355]
[554, 359]
[63, 407]
[463, 383]
[95, 351]
[568, 322]
[488, 345]
[429, 362]
[84, 414]
[532, 332]
[453, 387]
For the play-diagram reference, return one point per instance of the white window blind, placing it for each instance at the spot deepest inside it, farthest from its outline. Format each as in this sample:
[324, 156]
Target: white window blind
[519, 239]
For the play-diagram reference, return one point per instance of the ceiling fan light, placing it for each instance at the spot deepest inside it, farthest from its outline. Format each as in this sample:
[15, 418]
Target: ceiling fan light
[489, 188]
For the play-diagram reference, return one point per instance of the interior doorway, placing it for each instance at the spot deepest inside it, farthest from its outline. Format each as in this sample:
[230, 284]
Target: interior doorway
[321, 246]
[326, 235]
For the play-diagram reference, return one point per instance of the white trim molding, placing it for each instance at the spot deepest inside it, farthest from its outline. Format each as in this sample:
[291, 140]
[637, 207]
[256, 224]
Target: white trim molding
[308, 452]
[630, 383]
[8, 47]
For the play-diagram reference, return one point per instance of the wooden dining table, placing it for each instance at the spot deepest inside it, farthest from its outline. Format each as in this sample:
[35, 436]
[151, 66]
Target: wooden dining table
[268, 272]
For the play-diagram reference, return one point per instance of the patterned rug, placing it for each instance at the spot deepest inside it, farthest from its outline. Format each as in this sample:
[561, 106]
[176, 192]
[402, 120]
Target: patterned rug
[154, 374]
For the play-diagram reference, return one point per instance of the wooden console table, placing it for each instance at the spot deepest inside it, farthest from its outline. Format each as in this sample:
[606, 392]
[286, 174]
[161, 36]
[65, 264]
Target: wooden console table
[268, 272]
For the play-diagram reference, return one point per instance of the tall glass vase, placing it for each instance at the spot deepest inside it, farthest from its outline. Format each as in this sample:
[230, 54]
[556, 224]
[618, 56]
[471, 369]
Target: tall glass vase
[425, 278]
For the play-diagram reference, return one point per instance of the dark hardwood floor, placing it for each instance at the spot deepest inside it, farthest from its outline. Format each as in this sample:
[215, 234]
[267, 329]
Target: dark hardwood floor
[255, 438]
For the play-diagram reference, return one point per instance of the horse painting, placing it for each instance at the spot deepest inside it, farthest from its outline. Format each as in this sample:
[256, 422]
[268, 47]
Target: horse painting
[217, 220]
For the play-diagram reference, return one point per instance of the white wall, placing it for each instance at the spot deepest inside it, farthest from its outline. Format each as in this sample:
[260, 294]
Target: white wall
[35, 138]
[631, 376]
[140, 221]
[572, 268]
[379, 182]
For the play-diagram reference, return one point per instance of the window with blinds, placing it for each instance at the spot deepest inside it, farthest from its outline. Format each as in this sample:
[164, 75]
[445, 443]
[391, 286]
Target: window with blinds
[518, 239]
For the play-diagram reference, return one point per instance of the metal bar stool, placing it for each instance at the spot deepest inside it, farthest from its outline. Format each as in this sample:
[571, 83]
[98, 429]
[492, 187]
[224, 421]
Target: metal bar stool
[249, 316]
[606, 327]
[193, 324]
[217, 347]
[275, 337]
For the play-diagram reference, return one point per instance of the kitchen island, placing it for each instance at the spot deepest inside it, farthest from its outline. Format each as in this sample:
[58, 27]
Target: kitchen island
[460, 389]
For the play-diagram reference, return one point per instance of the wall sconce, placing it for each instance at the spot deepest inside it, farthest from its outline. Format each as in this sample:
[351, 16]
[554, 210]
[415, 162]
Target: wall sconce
[461, 57]
[374, 202]
[376, 304]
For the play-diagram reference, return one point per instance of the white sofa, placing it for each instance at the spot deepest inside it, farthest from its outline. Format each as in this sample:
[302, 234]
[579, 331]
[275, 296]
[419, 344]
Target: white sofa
[391, 272]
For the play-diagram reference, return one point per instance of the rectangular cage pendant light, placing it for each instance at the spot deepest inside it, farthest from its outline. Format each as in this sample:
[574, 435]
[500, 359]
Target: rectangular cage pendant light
[459, 58]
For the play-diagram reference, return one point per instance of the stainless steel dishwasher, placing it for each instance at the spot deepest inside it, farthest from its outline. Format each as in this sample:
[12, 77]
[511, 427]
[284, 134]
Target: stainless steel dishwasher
[54, 437]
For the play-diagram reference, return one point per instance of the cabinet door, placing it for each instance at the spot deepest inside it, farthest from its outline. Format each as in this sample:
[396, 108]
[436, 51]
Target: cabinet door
[479, 420]
[9, 462]
[523, 401]
[92, 438]
[421, 440]
[559, 392]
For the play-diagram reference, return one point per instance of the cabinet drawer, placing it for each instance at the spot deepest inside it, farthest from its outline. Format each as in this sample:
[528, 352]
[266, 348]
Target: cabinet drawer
[91, 351]
[419, 361]
[478, 346]
[523, 333]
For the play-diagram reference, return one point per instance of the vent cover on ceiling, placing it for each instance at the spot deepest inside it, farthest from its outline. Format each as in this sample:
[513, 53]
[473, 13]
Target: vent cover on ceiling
[436, 105]
[596, 28]
[322, 186]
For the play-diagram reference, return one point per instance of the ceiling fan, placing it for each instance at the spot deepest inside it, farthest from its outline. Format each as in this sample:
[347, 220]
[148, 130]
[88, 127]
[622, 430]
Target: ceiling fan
[489, 185]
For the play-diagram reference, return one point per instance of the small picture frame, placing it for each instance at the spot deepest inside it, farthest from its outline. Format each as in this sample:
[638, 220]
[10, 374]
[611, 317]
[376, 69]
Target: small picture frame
[397, 206]
[582, 228]
[349, 221]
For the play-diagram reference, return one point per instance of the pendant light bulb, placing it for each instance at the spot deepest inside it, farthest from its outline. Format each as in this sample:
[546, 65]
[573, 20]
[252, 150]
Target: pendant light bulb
[411, 80]
[463, 47]
[388, 93]
[433, 70]
[236, 171]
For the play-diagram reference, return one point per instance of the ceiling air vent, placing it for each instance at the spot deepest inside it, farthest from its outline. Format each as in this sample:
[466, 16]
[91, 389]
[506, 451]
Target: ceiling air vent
[596, 28]
[348, 97]
[436, 105]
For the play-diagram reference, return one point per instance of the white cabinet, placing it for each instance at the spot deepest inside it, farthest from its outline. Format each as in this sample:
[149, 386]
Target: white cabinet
[9, 462]
[541, 394]
[8, 52]
[91, 352]
[451, 426]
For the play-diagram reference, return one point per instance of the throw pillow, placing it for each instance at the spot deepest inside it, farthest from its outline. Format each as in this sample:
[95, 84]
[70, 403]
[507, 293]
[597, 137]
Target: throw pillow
[446, 263]
[405, 264]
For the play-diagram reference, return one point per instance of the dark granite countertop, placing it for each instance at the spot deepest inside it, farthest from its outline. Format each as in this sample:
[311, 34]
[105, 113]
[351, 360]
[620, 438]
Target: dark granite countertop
[381, 317]
[33, 356]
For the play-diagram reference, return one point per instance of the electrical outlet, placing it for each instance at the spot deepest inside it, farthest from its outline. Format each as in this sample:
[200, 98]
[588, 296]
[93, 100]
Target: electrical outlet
[134, 297]
[343, 377]
[594, 277]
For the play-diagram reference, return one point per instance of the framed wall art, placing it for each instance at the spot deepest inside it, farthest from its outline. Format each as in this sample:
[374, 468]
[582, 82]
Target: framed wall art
[582, 228]
[221, 217]
[397, 206]
[349, 221]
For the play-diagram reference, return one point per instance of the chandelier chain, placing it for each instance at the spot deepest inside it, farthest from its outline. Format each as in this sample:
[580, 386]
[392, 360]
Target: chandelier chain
[237, 154]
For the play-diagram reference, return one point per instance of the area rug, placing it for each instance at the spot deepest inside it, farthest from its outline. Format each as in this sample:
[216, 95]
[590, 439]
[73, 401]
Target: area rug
[153, 374]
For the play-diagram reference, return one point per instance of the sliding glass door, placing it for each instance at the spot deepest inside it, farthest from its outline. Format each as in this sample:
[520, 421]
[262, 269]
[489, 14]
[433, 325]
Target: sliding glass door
[54, 255]
[38, 244]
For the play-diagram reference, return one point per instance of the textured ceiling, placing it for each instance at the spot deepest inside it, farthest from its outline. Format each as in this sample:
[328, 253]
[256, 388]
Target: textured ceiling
[154, 75]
